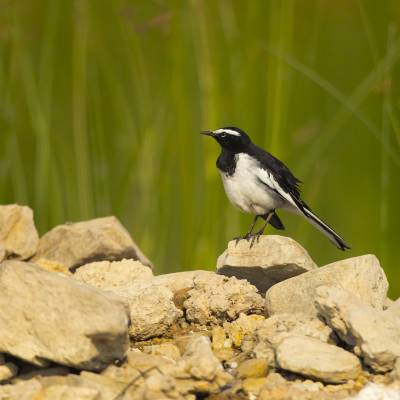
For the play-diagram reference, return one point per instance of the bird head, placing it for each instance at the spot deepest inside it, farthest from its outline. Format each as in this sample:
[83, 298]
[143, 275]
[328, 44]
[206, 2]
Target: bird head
[230, 138]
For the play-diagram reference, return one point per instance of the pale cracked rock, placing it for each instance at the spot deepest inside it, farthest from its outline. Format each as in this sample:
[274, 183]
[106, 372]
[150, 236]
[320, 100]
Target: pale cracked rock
[18, 234]
[199, 359]
[272, 259]
[273, 330]
[219, 298]
[152, 310]
[149, 300]
[55, 318]
[76, 244]
[112, 274]
[311, 358]
[362, 275]
[374, 334]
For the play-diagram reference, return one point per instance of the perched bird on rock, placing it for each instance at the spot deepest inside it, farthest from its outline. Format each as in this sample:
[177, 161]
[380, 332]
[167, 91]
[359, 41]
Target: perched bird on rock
[258, 183]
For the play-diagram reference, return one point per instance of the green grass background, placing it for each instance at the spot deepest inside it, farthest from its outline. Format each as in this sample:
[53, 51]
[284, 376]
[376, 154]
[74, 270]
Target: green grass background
[101, 103]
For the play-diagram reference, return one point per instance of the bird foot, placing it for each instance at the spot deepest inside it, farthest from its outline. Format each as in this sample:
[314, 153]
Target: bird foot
[256, 237]
[247, 237]
[252, 237]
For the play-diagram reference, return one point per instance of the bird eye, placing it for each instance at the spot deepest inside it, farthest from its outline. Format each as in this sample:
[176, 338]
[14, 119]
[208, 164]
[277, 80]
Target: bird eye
[223, 135]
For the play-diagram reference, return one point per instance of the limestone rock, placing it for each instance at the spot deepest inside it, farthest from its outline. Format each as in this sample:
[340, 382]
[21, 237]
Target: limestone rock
[241, 331]
[76, 244]
[396, 369]
[200, 360]
[272, 259]
[253, 368]
[221, 299]
[152, 310]
[149, 300]
[273, 330]
[65, 392]
[362, 275]
[280, 326]
[112, 274]
[373, 391]
[310, 357]
[374, 334]
[18, 234]
[2, 252]
[52, 266]
[167, 349]
[7, 371]
[25, 390]
[136, 363]
[199, 370]
[58, 319]
[252, 386]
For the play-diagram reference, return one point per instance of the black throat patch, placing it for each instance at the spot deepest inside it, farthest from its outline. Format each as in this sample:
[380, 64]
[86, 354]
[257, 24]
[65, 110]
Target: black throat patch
[226, 162]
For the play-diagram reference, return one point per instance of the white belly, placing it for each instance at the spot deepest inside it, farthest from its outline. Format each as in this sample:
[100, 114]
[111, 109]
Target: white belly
[246, 192]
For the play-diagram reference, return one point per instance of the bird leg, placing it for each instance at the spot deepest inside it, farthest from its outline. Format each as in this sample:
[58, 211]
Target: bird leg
[256, 236]
[249, 234]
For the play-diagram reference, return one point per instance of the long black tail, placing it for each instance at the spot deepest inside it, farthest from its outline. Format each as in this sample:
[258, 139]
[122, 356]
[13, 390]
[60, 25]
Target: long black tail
[324, 228]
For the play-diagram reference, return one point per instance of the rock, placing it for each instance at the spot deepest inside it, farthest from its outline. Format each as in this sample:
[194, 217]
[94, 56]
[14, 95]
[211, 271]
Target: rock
[219, 338]
[272, 259]
[281, 326]
[252, 386]
[58, 319]
[52, 266]
[24, 390]
[373, 391]
[76, 244]
[206, 373]
[273, 330]
[253, 368]
[241, 331]
[396, 369]
[149, 300]
[112, 274]
[7, 371]
[374, 334]
[200, 360]
[18, 234]
[307, 356]
[2, 253]
[221, 299]
[362, 275]
[65, 392]
[180, 281]
[152, 310]
[393, 310]
[387, 303]
[166, 349]
[137, 363]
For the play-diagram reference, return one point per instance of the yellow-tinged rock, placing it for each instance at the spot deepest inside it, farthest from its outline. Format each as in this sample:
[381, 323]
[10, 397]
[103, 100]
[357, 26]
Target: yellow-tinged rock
[52, 266]
[253, 385]
[253, 368]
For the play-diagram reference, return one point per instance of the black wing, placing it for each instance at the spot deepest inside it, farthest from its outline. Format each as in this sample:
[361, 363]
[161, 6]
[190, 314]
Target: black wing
[283, 176]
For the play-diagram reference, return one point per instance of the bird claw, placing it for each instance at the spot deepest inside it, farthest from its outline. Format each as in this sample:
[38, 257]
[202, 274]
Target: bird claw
[247, 237]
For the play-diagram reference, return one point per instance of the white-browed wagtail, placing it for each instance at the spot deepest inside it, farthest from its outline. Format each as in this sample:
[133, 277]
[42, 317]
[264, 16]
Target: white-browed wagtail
[258, 183]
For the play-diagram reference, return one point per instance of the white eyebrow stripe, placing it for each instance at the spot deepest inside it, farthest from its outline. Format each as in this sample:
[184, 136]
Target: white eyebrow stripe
[228, 131]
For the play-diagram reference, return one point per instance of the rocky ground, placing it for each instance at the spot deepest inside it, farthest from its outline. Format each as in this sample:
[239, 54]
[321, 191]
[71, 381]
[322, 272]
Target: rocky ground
[83, 317]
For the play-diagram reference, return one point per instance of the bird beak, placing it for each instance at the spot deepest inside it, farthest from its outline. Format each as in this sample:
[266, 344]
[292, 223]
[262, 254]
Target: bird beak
[207, 133]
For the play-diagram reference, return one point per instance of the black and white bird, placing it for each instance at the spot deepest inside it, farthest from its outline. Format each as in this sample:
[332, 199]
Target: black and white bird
[258, 183]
